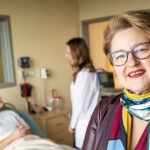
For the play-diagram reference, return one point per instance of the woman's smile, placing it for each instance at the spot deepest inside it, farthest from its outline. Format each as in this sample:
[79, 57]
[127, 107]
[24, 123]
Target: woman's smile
[136, 73]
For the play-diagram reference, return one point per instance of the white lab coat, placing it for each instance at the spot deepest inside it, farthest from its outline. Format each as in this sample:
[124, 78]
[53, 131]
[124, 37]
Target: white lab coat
[84, 98]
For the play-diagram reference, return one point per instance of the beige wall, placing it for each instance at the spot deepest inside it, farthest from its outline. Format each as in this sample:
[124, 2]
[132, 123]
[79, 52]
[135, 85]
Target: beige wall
[40, 29]
[90, 9]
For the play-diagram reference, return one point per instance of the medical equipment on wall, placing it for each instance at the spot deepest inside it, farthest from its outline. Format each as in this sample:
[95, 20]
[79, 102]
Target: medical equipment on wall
[24, 63]
[44, 75]
[26, 89]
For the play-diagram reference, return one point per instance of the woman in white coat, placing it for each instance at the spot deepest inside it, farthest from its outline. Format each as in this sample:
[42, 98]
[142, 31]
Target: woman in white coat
[84, 88]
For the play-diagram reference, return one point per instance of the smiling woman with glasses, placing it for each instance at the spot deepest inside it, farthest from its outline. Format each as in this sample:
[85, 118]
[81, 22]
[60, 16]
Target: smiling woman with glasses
[123, 122]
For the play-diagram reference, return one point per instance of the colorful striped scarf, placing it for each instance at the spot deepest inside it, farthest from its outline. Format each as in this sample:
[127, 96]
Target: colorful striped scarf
[130, 104]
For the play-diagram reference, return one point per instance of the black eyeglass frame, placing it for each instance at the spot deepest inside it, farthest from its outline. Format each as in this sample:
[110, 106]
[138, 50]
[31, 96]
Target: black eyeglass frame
[127, 52]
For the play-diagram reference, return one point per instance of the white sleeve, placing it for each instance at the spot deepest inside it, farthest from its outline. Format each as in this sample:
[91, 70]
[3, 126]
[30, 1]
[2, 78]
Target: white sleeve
[80, 98]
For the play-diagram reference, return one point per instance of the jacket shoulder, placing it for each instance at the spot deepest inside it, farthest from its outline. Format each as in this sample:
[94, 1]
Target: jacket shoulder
[104, 104]
[98, 129]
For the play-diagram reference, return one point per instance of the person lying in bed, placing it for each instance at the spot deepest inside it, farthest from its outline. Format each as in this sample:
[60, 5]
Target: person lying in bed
[12, 126]
[15, 134]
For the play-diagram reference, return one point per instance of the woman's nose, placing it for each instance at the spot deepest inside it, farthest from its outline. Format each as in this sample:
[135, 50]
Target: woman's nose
[132, 61]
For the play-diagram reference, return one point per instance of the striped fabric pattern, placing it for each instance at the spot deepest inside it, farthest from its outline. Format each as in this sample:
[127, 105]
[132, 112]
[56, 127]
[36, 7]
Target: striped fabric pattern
[130, 104]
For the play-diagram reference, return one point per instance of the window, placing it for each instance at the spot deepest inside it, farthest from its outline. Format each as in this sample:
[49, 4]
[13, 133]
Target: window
[7, 72]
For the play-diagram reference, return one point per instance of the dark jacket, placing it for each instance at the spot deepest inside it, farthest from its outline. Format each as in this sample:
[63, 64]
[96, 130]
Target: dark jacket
[99, 127]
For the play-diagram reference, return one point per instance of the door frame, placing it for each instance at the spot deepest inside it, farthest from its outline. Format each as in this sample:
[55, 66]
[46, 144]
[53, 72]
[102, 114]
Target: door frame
[85, 23]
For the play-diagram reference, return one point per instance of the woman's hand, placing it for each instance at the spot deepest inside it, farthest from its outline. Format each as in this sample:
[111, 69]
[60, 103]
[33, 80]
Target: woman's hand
[21, 131]
[70, 130]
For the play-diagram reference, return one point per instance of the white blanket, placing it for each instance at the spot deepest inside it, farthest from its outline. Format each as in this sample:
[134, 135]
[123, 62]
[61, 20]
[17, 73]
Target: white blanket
[32, 142]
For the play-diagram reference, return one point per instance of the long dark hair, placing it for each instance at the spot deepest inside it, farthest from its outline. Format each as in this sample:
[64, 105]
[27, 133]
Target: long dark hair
[80, 54]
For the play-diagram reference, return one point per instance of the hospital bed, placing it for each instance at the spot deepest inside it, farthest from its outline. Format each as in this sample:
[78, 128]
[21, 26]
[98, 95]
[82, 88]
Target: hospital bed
[33, 126]
[35, 130]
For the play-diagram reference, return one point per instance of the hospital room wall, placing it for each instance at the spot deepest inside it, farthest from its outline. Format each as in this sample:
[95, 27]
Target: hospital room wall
[40, 29]
[91, 9]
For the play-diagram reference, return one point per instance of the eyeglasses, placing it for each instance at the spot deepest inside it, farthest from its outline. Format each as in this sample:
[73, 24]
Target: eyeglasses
[119, 58]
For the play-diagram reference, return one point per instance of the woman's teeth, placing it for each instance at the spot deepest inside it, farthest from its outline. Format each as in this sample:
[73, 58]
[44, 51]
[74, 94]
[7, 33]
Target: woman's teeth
[136, 73]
